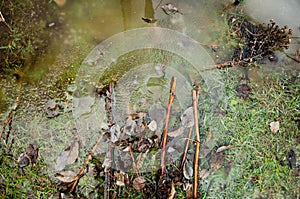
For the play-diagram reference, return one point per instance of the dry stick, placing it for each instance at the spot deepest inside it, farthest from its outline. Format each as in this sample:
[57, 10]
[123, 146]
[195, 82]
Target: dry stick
[164, 141]
[110, 148]
[134, 162]
[187, 143]
[80, 174]
[197, 151]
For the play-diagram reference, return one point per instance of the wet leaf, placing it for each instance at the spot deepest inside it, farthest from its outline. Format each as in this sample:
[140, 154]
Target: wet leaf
[106, 164]
[223, 148]
[66, 176]
[177, 132]
[173, 191]
[139, 183]
[67, 157]
[115, 133]
[187, 118]
[32, 152]
[51, 109]
[204, 173]
[140, 159]
[152, 125]
[23, 160]
[274, 126]
[217, 161]
[187, 170]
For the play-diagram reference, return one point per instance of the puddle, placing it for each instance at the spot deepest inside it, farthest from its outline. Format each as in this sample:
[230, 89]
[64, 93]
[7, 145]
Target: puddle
[140, 57]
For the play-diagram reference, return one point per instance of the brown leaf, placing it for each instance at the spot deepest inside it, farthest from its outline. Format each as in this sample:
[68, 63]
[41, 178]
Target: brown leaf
[217, 161]
[173, 191]
[177, 132]
[223, 148]
[32, 151]
[204, 173]
[208, 136]
[67, 157]
[139, 183]
[66, 176]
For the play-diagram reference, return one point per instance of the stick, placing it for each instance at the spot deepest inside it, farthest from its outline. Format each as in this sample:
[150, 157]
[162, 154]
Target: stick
[197, 151]
[80, 174]
[165, 133]
[186, 148]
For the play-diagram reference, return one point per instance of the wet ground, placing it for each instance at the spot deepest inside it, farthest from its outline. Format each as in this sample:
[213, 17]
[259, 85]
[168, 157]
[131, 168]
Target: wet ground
[59, 106]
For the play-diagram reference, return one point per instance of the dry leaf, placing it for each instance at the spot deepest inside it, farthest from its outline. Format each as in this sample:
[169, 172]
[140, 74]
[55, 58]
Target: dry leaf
[274, 126]
[223, 148]
[66, 176]
[187, 118]
[139, 183]
[173, 191]
[177, 132]
[204, 173]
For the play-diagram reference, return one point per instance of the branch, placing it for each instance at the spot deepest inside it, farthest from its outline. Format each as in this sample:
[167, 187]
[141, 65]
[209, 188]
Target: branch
[165, 133]
[197, 151]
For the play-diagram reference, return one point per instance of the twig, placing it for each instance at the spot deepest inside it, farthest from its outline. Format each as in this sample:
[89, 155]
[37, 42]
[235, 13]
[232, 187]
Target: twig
[109, 103]
[197, 151]
[80, 174]
[165, 133]
[186, 148]
[134, 162]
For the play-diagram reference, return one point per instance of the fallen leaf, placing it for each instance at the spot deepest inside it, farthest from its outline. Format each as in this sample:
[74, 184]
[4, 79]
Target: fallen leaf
[106, 164]
[217, 161]
[115, 133]
[66, 176]
[177, 132]
[204, 173]
[152, 125]
[67, 157]
[274, 126]
[139, 183]
[187, 118]
[187, 170]
[32, 151]
[223, 148]
[173, 191]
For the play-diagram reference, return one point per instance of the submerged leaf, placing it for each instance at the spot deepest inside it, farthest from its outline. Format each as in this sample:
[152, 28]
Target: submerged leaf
[139, 183]
[204, 173]
[67, 157]
[115, 133]
[187, 118]
[217, 161]
[177, 132]
[223, 148]
[66, 176]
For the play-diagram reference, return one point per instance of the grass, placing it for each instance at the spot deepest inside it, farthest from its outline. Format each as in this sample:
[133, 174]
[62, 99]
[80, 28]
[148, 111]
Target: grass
[260, 156]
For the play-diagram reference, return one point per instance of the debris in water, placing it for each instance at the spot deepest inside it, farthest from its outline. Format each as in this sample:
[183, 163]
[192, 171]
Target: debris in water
[52, 108]
[170, 9]
[67, 157]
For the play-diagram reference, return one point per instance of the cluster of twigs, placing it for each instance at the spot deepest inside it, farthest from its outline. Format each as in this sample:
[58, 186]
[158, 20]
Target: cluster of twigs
[195, 98]
[255, 42]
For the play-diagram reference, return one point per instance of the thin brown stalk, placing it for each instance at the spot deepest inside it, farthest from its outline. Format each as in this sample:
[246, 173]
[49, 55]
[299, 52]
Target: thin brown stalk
[134, 162]
[81, 172]
[197, 150]
[165, 133]
[187, 143]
